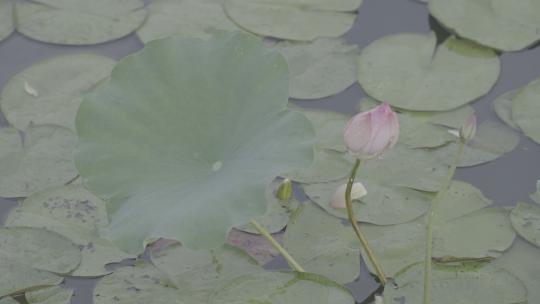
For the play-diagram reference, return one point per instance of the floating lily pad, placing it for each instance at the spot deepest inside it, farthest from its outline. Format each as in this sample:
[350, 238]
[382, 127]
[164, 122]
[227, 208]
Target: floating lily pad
[78, 22]
[502, 25]
[294, 19]
[328, 165]
[21, 277]
[44, 159]
[321, 244]
[526, 220]
[281, 287]
[522, 261]
[465, 231]
[196, 273]
[321, 68]
[450, 286]
[277, 214]
[492, 140]
[77, 214]
[185, 18]
[8, 300]
[383, 204]
[140, 284]
[503, 107]
[222, 131]
[526, 110]
[411, 72]
[50, 92]
[50, 295]
[6, 19]
[536, 196]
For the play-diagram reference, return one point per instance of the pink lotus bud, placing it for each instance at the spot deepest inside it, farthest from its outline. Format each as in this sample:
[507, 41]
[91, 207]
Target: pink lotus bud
[338, 200]
[468, 129]
[369, 134]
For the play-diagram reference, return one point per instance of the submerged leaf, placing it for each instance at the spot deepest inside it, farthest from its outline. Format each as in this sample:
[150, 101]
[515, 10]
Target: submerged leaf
[411, 72]
[525, 219]
[526, 110]
[6, 19]
[78, 22]
[187, 149]
[503, 107]
[294, 19]
[536, 196]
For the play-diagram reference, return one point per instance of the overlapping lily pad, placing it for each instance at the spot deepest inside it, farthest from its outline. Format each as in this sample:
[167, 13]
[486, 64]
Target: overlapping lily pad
[50, 92]
[78, 22]
[186, 18]
[43, 160]
[411, 72]
[200, 146]
[503, 107]
[450, 286]
[6, 19]
[526, 110]
[8, 300]
[327, 165]
[526, 220]
[50, 295]
[502, 25]
[321, 68]
[294, 19]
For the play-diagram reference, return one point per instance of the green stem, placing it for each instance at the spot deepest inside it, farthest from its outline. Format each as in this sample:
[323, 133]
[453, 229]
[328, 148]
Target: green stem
[431, 218]
[356, 228]
[277, 246]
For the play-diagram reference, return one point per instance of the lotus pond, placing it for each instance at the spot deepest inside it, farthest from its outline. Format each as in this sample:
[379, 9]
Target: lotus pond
[145, 149]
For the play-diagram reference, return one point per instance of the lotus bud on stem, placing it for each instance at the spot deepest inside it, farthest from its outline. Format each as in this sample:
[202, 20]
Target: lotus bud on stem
[284, 191]
[466, 133]
[368, 135]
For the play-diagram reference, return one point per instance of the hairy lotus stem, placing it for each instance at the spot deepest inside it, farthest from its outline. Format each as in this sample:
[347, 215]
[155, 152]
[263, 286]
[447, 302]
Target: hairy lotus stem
[290, 260]
[430, 219]
[356, 228]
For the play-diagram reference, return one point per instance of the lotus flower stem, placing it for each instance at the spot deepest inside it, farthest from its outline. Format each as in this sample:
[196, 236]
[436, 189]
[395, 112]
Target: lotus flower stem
[290, 260]
[356, 228]
[430, 219]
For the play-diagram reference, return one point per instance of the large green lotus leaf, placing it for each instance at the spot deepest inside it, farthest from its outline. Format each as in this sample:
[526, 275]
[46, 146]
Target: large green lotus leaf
[139, 284]
[186, 18]
[49, 295]
[321, 68]
[492, 140]
[277, 214]
[536, 196]
[451, 286]
[6, 19]
[465, 231]
[281, 287]
[321, 244]
[411, 72]
[503, 107]
[526, 110]
[522, 261]
[197, 273]
[43, 160]
[383, 204]
[77, 214]
[78, 22]
[328, 127]
[525, 219]
[499, 24]
[328, 165]
[33, 96]
[188, 156]
[19, 277]
[302, 20]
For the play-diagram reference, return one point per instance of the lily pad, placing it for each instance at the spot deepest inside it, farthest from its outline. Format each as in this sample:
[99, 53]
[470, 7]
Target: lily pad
[450, 286]
[78, 22]
[321, 68]
[465, 231]
[522, 261]
[196, 273]
[6, 19]
[140, 284]
[281, 287]
[50, 295]
[321, 244]
[411, 72]
[328, 165]
[34, 97]
[8, 300]
[185, 18]
[526, 110]
[22, 277]
[43, 160]
[525, 219]
[300, 20]
[503, 107]
[536, 196]
[77, 214]
[202, 146]
[502, 25]
[277, 214]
